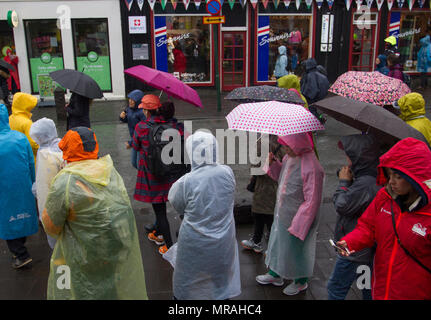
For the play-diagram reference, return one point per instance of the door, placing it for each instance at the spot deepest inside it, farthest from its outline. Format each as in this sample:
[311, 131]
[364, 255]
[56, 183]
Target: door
[363, 42]
[233, 59]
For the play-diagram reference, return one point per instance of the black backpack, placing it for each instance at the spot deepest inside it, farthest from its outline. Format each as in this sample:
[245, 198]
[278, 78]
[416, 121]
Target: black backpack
[154, 158]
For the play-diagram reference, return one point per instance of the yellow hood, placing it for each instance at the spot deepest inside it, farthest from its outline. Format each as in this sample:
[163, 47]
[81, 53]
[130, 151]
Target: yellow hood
[412, 105]
[94, 171]
[23, 103]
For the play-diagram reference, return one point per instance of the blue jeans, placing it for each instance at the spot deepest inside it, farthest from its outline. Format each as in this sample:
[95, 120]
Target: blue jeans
[342, 278]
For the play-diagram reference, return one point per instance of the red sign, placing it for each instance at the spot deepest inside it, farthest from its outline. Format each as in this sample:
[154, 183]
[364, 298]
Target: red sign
[213, 7]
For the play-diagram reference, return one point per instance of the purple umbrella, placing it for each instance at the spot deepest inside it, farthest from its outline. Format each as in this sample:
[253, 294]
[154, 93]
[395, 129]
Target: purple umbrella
[166, 82]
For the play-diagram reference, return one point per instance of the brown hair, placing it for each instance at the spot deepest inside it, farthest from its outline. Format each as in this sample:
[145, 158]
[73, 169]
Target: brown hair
[167, 110]
[393, 59]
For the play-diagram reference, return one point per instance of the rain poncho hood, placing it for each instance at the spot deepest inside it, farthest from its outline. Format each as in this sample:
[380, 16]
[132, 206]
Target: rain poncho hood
[282, 50]
[207, 262]
[412, 107]
[314, 84]
[89, 212]
[281, 63]
[292, 82]
[44, 133]
[18, 215]
[136, 95]
[78, 144]
[20, 119]
[291, 248]
[424, 55]
[382, 66]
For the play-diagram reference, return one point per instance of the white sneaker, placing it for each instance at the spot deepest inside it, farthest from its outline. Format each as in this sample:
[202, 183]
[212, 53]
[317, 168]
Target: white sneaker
[251, 245]
[268, 279]
[295, 288]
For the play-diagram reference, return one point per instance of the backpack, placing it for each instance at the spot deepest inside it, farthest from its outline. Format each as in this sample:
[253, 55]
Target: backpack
[407, 79]
[155, 163]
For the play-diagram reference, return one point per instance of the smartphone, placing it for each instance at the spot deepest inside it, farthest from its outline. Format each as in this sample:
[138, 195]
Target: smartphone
[332, 242]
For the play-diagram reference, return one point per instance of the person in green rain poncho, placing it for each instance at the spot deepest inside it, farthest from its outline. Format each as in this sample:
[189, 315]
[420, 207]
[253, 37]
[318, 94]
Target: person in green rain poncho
[88, 211]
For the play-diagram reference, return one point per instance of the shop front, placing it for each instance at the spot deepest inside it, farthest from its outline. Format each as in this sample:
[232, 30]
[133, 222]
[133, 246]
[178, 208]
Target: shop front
[78, 35]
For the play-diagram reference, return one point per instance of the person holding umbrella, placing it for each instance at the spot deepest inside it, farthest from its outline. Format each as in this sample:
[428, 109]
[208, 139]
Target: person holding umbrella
[78, 111]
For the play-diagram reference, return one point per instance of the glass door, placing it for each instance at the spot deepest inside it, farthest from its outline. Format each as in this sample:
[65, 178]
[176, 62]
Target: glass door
[233, 59]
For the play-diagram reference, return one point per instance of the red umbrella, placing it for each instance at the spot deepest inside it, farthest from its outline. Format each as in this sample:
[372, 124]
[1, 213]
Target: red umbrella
[166, 82]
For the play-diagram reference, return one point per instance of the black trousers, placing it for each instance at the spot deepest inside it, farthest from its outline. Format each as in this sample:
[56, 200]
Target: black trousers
[260, 221]
[17, 248]
[162, 223]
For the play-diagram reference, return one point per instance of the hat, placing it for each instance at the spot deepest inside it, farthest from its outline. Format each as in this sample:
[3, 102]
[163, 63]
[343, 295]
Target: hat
[78, 144]
[136, 95]
[391, 40]
[150, 102]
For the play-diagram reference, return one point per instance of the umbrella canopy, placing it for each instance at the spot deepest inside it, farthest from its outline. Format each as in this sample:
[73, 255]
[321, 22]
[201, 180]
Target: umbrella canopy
[6, 65]
[166, 82]
[273, 117]
[369, 87]
[78, 82]
[263, 93]
[368, 117]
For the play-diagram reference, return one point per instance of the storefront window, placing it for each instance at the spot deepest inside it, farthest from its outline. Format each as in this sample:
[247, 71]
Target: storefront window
[44, 51]
[183, 47]
[91, 43]
[409, 28]
[291, 31]
[6, 38]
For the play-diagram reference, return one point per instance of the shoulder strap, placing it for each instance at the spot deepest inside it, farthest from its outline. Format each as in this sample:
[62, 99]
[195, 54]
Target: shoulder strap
[399, 242]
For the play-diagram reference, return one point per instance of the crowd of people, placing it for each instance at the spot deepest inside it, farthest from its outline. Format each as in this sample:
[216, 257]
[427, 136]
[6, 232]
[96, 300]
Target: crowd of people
[382, 203]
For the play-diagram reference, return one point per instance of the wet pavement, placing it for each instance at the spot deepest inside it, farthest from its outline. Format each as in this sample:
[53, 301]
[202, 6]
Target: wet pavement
[111, 134]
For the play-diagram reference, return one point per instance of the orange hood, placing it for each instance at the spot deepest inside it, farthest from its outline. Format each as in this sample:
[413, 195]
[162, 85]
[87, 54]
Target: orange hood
[78, 144]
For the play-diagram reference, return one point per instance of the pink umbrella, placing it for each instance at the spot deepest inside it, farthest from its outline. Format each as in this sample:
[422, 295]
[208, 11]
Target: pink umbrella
[166, 82]
[273, 117]
[369, 87]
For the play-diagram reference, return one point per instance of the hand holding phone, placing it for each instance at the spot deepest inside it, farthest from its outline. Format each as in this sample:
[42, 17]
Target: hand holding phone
[341, 249]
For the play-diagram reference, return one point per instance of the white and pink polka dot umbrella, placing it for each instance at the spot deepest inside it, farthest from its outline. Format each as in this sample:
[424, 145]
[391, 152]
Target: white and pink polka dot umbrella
[273, 117]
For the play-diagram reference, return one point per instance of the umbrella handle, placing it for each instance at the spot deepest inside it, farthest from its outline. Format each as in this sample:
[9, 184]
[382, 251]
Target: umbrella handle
[161, 92]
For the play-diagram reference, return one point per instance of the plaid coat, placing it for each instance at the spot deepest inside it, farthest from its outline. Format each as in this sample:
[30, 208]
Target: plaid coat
[148, 187]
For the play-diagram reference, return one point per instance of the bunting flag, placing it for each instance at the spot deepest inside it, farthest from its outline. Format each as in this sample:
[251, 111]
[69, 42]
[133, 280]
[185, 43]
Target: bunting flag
[379, 4]
[265, 3]
[276, 2]
[369, 3]
[320, 3]
[253, 3]
[421, 3]
[152, 3]
[231, 3]
[243, 3]
[163, 3]
[140, 4]
[197, 4]
[330, 4]
[287, 3]
[348, 3]
[411, 4]
[128, 4]
[400, 3]
[308, 3]
[186, 3]
[390, 3]
[298, 3]
[174, 3]
[358, 3]
[221, 2]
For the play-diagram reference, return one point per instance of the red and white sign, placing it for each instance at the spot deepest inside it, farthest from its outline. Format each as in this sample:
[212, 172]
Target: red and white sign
[137, 24]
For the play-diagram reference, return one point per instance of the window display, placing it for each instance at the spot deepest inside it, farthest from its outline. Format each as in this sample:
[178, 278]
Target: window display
[44, 47]
[291, 31]
[91, 43]
[183, 47]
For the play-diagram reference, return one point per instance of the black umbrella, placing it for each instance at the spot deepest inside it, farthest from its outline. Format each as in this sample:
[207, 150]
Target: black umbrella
[264, 93]
[368, 118]
[77, 82]
[6, 65]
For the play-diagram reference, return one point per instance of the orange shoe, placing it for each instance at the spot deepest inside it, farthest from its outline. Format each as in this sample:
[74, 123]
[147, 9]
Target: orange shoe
[163, 249]
[157, 239]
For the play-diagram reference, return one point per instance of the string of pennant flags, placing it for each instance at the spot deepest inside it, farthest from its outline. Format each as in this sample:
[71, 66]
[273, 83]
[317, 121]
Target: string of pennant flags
[287, 3]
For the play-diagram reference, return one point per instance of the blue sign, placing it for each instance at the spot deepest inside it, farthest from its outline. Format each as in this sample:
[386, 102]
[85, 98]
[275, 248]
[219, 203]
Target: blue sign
[160, 42]
[213, 7]
[263, 48]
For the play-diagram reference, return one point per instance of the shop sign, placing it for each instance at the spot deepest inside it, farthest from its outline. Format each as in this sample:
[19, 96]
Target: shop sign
[263, 48]
[137, 24]
[327, 33]
[140, 51]
[12, 18]
[163, 41]
[283, 36]
[97, 67]
[43, 65]
[408, 33]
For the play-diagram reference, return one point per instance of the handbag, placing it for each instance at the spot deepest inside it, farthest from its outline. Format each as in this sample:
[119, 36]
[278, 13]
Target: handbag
[252, 185]
[404, 248]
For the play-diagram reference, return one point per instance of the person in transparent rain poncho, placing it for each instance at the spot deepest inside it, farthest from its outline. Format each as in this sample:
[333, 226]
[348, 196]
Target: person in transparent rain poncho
[49, 161]
[292, 243]
[207, 261]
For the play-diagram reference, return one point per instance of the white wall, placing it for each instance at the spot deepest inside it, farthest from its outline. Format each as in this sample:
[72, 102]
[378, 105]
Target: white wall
[78, 9]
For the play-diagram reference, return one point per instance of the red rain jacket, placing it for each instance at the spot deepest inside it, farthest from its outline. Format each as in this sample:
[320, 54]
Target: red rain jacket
[396, 275]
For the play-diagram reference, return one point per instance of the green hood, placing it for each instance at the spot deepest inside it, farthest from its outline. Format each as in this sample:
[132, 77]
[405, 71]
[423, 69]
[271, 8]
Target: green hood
[412, 105]
[94, 171]
[289, 82]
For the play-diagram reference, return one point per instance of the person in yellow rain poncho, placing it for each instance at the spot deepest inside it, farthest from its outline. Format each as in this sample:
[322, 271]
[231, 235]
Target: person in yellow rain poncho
[97, 254]
[412, 108]
[20, 119]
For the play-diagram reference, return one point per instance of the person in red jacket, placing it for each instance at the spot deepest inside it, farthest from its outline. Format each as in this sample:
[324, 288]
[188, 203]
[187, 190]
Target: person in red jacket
[404, 204]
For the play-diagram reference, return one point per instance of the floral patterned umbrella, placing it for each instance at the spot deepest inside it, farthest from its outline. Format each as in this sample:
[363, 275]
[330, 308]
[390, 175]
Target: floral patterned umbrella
[264, 93]
[273, 117]
[369, 87]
